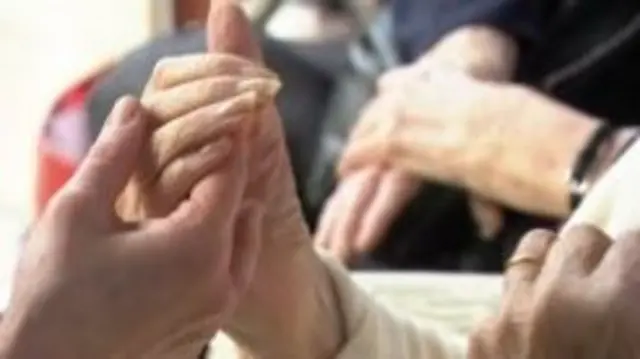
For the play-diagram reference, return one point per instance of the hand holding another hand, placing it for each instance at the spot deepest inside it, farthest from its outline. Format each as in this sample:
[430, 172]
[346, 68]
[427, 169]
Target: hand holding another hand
[206, 101]
[90, 285]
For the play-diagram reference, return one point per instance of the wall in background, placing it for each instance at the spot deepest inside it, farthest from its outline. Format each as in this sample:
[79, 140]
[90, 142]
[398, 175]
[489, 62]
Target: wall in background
[47, 45]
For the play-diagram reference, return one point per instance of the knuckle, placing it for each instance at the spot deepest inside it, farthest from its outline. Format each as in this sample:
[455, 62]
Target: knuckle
[535, 242]
[217, 87]
[159, 73]
[68, 205]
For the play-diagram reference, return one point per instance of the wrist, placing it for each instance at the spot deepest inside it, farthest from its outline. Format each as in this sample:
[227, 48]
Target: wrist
[25, 337]
[527, 161]
[308, 318]
[610, 152]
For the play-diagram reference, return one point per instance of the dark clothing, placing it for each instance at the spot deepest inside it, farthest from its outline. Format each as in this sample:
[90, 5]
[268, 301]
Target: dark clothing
[582, 52]
[420, 24]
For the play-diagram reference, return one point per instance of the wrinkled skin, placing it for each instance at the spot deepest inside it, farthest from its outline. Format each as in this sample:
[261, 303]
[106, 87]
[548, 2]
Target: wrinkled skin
[284, 293]
[89, 285]
[374, 188]
[214, 98]
[454, 129]
[357, 216]
[576, 300]
[580, 300]
[428, 128]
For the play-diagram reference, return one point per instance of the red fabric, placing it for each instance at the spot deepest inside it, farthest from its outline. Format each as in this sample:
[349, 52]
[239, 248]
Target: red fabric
[63, 142]
[53, 173]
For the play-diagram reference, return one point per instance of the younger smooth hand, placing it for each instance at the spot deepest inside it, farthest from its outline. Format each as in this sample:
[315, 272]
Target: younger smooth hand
[90, 285]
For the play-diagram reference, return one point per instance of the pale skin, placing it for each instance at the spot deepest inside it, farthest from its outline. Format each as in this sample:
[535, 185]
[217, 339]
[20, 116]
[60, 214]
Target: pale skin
[303, 305]
[369, 198]
[575, 296]
[287, 261]
[87, 284]
[465, 125]
[290, 278]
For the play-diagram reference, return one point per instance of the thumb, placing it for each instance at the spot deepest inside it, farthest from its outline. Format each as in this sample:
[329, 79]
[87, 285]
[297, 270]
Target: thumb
[112, 159]
[230, 31]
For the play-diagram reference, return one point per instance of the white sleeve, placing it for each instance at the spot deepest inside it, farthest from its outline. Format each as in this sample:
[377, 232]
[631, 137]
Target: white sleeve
[612, 204]
[374, 332]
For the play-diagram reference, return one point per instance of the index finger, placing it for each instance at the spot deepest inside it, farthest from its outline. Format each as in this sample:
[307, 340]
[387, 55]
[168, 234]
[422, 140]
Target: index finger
[174, 71]
[213, 203]
[579, 250]
[527, 261]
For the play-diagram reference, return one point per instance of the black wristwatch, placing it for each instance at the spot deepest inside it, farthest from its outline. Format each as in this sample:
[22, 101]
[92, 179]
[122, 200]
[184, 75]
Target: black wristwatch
[589, 159]
[578, 184]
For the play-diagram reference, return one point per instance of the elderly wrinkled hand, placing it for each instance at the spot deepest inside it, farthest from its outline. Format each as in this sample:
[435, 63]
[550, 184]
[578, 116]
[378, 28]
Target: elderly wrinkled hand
[568, 297]
[436, 128]
[357, 216]
[461, 131]
[194, 118]
[374, 189]
[90, 285]
[212, 98]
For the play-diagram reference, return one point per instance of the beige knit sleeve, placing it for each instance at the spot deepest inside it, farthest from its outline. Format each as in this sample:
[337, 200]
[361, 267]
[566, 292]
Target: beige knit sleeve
[375, 332]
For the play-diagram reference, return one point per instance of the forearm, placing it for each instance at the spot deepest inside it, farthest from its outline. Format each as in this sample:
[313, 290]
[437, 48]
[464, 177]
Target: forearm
[375, 332]
[302, 319]
[530, 169]
[369, 330]
[481, 51]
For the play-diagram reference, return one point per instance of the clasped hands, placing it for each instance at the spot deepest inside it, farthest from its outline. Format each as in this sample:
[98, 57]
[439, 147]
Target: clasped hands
[190, 191]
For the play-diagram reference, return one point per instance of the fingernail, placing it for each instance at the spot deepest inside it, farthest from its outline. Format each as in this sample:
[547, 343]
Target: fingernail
[242, 102]
[266, 87]
[273, 87]
[257, 71]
